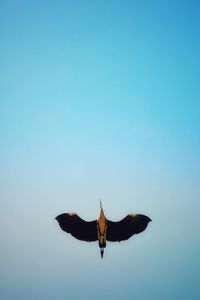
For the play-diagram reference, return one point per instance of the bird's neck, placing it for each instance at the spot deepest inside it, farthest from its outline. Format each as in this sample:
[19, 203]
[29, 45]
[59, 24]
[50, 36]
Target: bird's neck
[101, 215]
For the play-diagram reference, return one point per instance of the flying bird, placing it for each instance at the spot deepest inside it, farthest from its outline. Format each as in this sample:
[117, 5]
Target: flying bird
[102, 229]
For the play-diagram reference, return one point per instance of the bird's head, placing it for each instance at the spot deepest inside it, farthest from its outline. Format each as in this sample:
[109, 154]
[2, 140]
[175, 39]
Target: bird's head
[101, 209]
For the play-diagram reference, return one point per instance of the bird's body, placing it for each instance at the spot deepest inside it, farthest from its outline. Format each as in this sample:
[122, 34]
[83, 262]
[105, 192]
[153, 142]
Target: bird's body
[102, 229]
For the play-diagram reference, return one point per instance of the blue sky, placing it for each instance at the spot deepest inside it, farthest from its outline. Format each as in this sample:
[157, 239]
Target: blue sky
[99, 99]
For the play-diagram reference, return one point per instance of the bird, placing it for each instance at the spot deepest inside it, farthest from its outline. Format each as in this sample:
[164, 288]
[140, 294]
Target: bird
[102, 229]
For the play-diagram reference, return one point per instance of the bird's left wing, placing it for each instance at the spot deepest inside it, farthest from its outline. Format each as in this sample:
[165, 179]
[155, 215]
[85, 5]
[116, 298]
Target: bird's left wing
[124, 229]
[80, 229]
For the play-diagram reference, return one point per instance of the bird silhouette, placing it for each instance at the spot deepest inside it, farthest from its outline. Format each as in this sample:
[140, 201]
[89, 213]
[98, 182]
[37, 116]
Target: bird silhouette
[102, 229]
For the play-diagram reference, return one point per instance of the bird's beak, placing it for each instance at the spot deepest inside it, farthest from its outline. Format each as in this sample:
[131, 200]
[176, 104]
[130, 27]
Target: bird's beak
[100, 204]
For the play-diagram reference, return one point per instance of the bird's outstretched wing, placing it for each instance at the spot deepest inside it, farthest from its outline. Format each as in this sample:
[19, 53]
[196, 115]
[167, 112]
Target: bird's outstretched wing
[80, 229]
[124, 229]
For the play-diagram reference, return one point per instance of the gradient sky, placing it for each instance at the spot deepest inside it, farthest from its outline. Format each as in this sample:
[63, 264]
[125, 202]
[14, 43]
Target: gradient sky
[99, 99]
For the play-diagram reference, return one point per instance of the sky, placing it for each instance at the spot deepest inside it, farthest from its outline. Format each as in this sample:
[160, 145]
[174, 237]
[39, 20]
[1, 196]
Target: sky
[99, 100]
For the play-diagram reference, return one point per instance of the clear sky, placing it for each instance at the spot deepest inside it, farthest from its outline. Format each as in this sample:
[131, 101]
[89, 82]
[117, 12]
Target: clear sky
[99, 99]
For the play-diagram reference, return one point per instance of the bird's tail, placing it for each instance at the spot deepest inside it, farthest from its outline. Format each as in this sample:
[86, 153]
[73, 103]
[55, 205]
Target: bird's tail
[102, 252]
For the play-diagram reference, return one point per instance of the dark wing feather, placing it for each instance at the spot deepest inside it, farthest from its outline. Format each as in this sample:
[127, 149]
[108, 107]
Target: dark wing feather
[124, 229]
[80, 229]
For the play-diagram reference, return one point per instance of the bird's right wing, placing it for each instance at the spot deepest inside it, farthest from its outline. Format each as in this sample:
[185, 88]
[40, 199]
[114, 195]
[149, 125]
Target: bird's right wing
[124, 229]
[80, 229]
